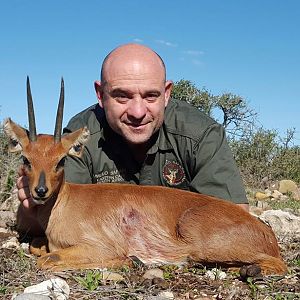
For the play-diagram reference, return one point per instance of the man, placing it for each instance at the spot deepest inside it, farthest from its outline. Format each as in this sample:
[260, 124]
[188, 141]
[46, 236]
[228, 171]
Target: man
[140, 136]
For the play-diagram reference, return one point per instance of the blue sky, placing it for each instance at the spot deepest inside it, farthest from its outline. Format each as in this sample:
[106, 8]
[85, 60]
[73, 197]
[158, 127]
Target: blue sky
[249, 48]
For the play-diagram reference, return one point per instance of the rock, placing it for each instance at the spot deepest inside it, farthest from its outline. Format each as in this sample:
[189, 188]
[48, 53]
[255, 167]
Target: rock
[287, 186]
[165, 295]
[12, 242]
[154, 273]
[261, 196]
[6, 217]
[268, 192]
[25, 247]
[256, 211]
[282, 222]
[31, 297]
[107, 275]
[276, 195]
[12, 203]
[56, 288]
[284, 198]
[160, 283]
[147, 283]
[215, 274]
[263, 205]
[265, 182]
[296, 195]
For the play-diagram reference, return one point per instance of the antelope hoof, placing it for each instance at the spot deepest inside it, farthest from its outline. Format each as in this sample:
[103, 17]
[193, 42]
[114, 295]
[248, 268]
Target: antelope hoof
[250, 271]
[39, 246]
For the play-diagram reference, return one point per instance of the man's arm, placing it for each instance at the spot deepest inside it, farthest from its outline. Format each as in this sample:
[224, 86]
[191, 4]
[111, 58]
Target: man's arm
[214, 171]
[78, 170]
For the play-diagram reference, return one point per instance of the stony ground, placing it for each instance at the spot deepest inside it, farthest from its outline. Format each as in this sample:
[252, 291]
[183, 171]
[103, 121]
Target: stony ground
[18, 270]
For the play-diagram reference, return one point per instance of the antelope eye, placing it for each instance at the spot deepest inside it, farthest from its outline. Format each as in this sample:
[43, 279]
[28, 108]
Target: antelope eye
[77, 148]
[26, 162]
[61, 163]
[14, 143]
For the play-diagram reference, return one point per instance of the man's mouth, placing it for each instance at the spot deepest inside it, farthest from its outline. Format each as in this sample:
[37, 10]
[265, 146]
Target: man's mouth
[136, 125]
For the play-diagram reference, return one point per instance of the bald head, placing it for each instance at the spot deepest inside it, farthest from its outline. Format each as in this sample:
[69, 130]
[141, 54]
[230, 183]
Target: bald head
[132, 56]
[134, 93]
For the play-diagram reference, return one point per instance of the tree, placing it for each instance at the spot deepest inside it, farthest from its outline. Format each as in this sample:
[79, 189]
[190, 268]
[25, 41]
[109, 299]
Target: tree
[236, 115]
[186, 91]
[238, 118]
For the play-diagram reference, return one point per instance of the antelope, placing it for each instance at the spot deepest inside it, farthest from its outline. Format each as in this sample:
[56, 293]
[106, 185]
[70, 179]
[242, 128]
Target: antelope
[105, 225]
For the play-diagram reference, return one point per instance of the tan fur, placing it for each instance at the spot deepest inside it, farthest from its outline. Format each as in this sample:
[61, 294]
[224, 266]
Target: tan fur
[104, 225]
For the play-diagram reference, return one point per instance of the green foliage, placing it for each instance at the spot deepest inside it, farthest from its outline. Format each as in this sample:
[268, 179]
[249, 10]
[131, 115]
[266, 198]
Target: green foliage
[252, 286]
[254, 154]
[284, 297]
[237, 117]
[23, 262]
[280, 204]
[234, 112]
[296, 262]
[3, 289]
[196, 270]
[91, 280]
[259, 152]
[262, 153]
[169, 271]
[8, 167]
[186, 91]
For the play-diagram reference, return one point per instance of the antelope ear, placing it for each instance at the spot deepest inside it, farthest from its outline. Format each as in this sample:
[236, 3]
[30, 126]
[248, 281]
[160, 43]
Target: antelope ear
[75, 141]
[18, 138]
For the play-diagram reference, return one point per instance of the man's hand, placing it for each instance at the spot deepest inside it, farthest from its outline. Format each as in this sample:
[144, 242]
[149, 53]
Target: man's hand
[23, 190]
[26, 217]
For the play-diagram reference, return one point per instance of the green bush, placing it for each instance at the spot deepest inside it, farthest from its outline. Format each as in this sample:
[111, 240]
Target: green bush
[259, 152]
[264, 154]
[8, 166]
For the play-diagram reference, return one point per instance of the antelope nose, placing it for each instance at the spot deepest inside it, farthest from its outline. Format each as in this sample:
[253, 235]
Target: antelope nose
[41, 191]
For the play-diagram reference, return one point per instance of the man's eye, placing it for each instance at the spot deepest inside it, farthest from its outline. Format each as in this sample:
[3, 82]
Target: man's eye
[152, 97]
[121, 97]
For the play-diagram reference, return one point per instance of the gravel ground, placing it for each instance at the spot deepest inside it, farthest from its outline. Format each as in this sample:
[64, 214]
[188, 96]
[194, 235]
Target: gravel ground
[18, 270]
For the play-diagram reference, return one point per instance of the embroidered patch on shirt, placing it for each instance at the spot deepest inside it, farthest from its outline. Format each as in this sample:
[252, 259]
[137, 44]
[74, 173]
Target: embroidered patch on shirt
[110, 176]
[173, 173]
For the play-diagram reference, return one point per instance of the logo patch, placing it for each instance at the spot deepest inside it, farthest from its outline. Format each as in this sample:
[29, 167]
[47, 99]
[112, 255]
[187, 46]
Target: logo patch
[173, 173]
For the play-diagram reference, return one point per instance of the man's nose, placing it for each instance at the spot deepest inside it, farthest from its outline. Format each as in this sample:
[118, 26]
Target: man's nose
[137, 108]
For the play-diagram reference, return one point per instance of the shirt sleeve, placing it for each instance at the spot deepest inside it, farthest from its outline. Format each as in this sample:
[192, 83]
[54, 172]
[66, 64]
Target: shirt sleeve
[78, 169]
[214, 170]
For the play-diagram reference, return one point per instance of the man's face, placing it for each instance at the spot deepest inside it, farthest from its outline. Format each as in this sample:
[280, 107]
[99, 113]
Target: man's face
[134, 98]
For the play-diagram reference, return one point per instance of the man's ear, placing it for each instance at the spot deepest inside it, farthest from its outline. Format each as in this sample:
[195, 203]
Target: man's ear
[99, 91]
[74, 142]
[18, 138]
[168, 90]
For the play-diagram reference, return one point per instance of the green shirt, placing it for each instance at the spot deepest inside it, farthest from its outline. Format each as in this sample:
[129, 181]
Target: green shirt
[190, 152]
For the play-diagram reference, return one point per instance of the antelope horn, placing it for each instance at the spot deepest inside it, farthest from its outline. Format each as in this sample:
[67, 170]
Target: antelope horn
[59, 115]
[31, 118]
